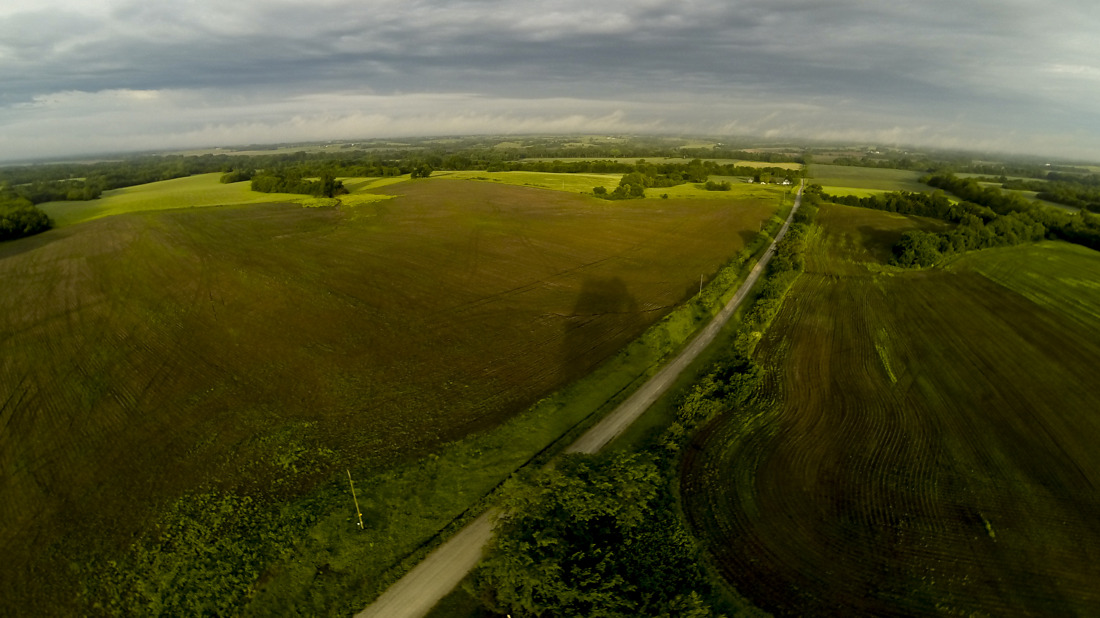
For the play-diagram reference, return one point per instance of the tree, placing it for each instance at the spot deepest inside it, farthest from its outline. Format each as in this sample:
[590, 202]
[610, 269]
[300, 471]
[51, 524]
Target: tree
[20, 218]
[591, 537]
[917, 249]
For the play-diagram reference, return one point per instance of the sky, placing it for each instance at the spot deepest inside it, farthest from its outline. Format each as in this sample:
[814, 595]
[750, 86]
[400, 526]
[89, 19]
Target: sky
[95, 76]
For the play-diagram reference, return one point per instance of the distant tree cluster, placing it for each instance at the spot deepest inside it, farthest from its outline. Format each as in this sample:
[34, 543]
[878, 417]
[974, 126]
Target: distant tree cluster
[903, 162]
[238, 175]
[971, 190]
[987, 218]
[19, 217]
[633, 184]
[1081, 228]
[918, 248]
[980, 226]
[935, 205]
[289, 180]
[643, 175]
[1076, 190]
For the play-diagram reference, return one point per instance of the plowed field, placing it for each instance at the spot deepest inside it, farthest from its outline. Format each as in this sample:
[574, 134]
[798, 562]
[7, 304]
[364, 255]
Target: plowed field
[262, 348]
[932, 448]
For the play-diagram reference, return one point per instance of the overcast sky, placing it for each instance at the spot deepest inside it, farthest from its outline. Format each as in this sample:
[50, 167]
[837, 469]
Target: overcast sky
[85, 76]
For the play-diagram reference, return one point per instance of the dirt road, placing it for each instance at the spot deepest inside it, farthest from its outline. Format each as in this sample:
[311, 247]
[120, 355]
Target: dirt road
[414, 595]
[420, 589]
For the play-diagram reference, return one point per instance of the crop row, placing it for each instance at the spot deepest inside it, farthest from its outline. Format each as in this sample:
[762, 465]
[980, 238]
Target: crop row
[929, 451]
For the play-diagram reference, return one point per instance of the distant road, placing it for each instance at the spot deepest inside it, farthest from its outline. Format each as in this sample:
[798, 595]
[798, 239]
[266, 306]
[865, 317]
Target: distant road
[414, 595]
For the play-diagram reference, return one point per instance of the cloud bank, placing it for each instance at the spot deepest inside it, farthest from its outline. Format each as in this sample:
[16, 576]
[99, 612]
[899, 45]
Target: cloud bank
[123, 75]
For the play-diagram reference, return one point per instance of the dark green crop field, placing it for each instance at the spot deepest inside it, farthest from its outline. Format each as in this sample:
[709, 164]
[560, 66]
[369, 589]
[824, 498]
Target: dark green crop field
[835, 176]
[926, 442]
[259, 350]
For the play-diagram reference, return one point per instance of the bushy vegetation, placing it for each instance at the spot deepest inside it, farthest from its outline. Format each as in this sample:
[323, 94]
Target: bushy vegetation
[918, 248]
[1080, 228]
[204, 558]
[19, 217]
[935, 205]
[1080, 190]
[290, 180]
[236, 176]
[987, 218]
[592, 537]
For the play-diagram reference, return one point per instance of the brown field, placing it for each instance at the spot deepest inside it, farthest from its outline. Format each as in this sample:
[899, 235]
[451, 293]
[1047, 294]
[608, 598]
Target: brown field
[263, 348]
[926, 444]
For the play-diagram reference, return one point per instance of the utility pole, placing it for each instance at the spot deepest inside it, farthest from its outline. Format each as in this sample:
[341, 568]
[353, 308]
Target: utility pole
[357, 511]
[700, 284]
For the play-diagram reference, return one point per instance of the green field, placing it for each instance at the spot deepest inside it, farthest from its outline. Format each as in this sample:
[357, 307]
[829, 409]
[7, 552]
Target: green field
[192, 191]
[853, 177]
[739, 190]
[842, 191]
[926, 441]
[573, 183]
[212, 372]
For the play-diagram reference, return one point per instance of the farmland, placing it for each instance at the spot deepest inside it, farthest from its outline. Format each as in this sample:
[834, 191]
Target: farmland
[830, 176]
[260, 350]
[740, 190]
[189, 192]
[574, 183]
[925, 441]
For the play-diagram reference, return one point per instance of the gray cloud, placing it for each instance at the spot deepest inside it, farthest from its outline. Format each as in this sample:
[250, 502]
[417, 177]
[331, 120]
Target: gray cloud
[1011, 74]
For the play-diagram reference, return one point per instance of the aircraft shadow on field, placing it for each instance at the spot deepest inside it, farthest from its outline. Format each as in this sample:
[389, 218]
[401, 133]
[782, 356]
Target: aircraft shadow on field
[604, 311]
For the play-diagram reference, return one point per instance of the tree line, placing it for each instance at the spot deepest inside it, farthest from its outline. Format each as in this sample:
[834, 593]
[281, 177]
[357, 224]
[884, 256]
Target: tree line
[1079, 190]
[19, 217]
[918, 248]
[987, 217]
[934, 205]
[1082, 228]
[291, 180]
